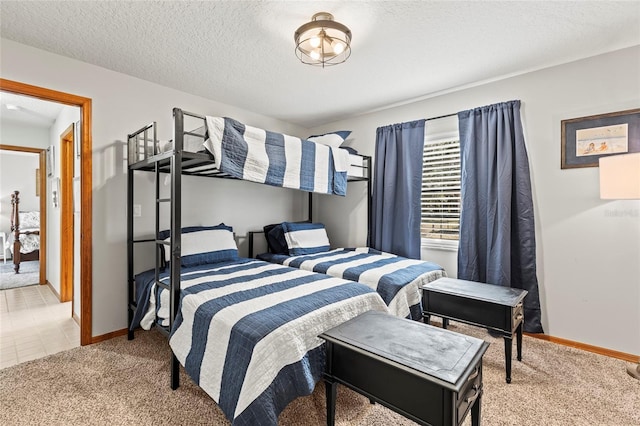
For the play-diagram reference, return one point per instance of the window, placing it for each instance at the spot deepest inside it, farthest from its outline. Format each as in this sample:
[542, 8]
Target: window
[440, 201]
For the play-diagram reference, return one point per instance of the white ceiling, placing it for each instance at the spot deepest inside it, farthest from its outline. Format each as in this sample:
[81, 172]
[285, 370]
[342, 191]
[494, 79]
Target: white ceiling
[241, 52]
[28, 110]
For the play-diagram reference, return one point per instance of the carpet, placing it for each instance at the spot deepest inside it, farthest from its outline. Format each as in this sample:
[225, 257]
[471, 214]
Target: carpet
[120, 382]
[29, 274]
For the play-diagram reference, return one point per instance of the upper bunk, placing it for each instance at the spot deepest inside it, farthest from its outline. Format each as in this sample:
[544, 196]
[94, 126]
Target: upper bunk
[193, 148]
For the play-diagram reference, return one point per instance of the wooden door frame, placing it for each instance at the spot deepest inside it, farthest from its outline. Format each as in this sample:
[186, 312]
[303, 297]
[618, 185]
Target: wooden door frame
[86, 195]
[42, 158]
[66, 215]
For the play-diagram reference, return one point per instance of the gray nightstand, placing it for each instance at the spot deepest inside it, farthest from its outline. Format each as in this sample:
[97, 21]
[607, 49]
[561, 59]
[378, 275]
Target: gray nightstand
[485, 305]
[429, 375]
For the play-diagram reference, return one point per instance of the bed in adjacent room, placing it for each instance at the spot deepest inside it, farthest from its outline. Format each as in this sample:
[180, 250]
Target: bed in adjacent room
[397, 279]
[24, 238]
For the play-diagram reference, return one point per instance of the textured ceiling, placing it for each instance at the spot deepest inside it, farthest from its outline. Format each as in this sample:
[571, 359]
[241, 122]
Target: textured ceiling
[241, 52]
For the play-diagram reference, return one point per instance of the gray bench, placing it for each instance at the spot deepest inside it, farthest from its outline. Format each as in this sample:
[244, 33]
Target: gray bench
[485, 305]
[429, 375]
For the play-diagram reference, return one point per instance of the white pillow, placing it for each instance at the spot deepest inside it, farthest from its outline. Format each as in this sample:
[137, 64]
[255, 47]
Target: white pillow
[206, 246]
[333, 139]
[305, 238]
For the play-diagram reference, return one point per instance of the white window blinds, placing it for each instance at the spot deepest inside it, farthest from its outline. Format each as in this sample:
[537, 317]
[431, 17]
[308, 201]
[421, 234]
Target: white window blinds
[440, 200]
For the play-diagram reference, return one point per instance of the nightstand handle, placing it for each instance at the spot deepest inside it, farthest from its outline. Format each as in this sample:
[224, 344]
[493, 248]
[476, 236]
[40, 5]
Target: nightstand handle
[473, 375]
[475, 395]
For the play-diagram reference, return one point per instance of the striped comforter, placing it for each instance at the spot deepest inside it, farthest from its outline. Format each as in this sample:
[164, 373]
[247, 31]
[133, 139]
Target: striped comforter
[259, 155]
[397, 279]
[247, 332]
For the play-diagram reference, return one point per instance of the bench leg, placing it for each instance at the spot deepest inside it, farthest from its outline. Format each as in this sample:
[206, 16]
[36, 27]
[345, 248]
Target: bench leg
[508, 343]
[519, 341]
[331, 388]
[445, 323]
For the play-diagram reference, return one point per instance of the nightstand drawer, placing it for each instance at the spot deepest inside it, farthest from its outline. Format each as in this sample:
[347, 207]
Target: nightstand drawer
[517, 316]
[469, 393]
[478, 312]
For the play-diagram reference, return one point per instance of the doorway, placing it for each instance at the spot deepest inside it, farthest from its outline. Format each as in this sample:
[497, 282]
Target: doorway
[84, 189]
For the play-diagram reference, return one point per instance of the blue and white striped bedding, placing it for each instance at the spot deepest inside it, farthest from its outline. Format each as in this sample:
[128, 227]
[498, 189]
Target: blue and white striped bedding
[258, 155]
[247, 332]
[397, 279]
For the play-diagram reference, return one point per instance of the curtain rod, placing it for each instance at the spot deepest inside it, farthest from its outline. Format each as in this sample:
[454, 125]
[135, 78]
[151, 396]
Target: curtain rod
[441, 116]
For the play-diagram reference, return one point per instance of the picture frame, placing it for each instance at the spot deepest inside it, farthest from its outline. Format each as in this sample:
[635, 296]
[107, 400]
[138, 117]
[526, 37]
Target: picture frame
[77, 138]
[51, 160]
[585, 139]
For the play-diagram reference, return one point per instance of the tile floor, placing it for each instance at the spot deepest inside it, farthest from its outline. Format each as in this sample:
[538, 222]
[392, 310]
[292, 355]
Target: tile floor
[34, 324]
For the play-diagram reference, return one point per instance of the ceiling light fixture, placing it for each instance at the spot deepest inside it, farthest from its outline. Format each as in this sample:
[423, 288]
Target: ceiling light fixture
[13, 107]
[323, 41]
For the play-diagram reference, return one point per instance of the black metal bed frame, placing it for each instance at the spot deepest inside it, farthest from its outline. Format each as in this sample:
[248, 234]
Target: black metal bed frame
[144, 155]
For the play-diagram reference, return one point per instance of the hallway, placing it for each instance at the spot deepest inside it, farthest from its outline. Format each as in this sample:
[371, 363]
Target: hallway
[34, 324]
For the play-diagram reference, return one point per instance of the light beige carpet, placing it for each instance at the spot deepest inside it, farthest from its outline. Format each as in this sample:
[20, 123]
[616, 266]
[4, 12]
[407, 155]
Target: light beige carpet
[120, 382]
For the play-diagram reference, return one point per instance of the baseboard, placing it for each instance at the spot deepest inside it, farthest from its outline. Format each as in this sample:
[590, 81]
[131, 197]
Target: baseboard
[76, 318]
[52, 289]
[103, 337]
[557, 340]
[589, 348]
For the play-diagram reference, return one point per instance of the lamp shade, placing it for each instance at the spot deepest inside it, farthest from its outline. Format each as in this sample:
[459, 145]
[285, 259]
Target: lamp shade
[323, 41]
[620, 177]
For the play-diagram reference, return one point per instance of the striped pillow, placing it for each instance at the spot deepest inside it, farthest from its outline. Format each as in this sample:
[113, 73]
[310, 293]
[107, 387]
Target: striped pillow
[202, 245]
[305, 238]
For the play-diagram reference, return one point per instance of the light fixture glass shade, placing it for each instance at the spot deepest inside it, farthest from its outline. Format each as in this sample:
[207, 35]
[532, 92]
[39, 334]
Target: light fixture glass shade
[323, 41]
[620, 177]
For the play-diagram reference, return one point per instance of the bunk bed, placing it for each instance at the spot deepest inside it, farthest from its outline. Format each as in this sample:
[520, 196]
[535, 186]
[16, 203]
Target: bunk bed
[24, 239]
[245, 330]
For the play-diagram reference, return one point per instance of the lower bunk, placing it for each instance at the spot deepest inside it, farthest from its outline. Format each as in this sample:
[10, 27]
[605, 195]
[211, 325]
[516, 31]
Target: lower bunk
[247, 330]
[397, 279]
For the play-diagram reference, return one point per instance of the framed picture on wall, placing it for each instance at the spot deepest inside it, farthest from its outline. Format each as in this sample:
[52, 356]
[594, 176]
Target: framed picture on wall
[51, 160]
[585, 139]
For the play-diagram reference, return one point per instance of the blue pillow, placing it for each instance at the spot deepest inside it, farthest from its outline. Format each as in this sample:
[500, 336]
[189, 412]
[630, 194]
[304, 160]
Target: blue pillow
[305, 238]
[275, 239]
[204, 244]
[333, 139]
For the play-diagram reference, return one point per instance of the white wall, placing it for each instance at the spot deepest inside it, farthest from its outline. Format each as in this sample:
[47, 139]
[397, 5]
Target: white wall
[20, 134]
[122, 104]
[588, 249]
